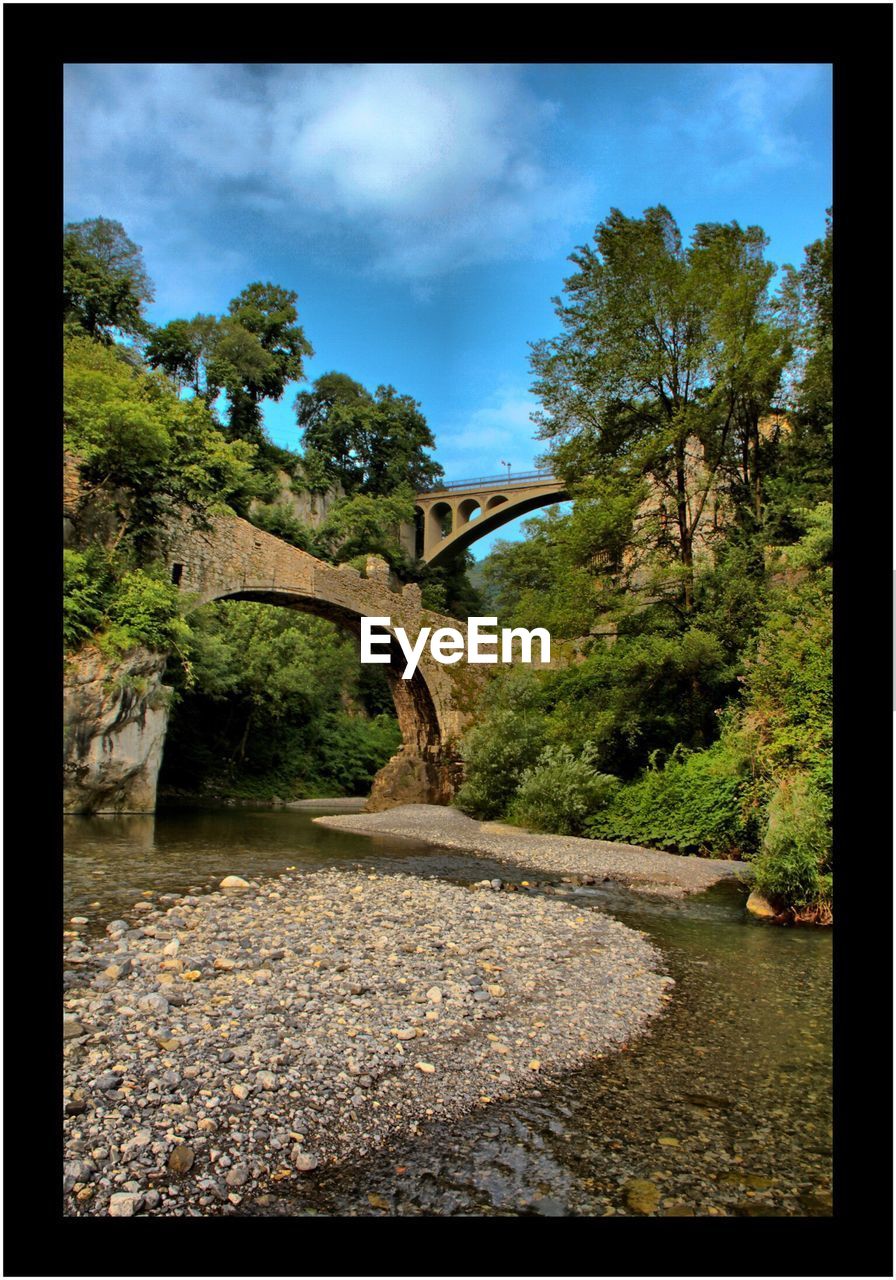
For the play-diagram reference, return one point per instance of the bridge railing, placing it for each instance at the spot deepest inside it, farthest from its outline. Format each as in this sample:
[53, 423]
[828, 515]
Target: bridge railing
[481, 482]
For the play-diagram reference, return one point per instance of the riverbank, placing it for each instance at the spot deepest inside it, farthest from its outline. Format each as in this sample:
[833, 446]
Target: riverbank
[219, 1044]
[645, 870]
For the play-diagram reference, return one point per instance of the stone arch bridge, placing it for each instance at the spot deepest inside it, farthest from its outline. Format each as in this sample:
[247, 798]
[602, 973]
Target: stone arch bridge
[230, 559]
[452, 517]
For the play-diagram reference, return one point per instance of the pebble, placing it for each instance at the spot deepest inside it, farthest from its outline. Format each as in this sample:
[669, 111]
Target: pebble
[283, 1036]
[652, 871]
[181, 1159]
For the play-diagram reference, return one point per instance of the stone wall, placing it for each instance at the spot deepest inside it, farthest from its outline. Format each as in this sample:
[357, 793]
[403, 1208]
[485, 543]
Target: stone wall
[114, 720]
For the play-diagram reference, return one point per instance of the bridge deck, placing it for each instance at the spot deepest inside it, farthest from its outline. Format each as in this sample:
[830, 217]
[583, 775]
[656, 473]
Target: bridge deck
[521, 480]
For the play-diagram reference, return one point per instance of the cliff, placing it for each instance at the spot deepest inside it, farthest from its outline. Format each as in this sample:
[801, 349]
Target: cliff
[115, 714]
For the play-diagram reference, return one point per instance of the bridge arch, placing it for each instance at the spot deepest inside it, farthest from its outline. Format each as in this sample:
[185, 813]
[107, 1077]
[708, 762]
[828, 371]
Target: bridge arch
[232, 560]
[414, 704]
[497, 503]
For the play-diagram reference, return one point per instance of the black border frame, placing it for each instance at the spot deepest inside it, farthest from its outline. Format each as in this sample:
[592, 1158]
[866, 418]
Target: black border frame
[857, 40]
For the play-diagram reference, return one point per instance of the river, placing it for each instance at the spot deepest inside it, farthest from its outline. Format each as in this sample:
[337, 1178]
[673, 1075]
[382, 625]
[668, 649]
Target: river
[724, 1107]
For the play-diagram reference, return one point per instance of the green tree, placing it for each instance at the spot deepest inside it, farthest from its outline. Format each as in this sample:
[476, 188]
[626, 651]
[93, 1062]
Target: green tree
[368, 444]
[260, 350]
[274, 707]
[805, 464]
[143, 453]
[184, 349]
[364, 525]
[667, 361]
[104, 281]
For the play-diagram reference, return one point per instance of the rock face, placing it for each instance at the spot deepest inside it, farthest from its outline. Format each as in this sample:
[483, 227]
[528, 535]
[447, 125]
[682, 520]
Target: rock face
[115, 717]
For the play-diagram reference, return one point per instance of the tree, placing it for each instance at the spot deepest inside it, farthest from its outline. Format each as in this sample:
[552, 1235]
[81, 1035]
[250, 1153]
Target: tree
[805, 463]
[368, 444]
[143, 453]
[184, 349]
[667, 361]
[362, 525]
[104, 281]
[261, 348]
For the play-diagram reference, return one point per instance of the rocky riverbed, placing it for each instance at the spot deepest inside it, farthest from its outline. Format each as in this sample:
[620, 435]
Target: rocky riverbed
[221, 1045]
[651, 871]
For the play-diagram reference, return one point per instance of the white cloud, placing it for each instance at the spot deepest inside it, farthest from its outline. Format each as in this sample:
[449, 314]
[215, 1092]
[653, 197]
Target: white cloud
[423, 167]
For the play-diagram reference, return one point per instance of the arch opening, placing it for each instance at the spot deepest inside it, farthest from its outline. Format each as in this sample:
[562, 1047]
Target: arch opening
[418, 735]
[468, 510]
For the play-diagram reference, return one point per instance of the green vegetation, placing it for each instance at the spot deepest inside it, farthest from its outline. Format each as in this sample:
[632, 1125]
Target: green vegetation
[275, 705]
[689, 587]
[166, 421]
[687, 404]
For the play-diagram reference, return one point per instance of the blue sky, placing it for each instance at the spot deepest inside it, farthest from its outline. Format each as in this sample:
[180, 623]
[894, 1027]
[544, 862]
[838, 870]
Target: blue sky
[424, 214]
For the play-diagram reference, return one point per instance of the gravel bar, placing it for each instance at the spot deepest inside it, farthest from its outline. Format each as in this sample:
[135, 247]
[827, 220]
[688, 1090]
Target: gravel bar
[646, 870]
[218, 1044]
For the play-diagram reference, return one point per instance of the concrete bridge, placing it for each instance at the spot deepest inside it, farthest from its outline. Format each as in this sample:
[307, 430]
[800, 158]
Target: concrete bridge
[232, 560]
[455, 515]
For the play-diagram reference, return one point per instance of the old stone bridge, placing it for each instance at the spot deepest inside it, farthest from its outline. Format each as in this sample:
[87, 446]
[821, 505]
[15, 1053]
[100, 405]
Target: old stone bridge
[114, 736]
[232, 560]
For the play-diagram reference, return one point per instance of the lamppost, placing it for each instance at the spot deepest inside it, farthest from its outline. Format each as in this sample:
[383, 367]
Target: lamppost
[507, 465]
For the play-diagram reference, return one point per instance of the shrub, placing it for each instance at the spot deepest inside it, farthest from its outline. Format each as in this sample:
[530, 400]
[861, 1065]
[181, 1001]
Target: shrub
[86, 583]
[698, 801]
[560, 792]
[279, 520]
[793, 868]
[496, 754]
[145, 610]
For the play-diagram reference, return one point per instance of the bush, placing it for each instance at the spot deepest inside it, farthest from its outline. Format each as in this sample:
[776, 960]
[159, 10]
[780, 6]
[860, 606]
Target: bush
[145, 610]
[561, 791]
[86, 583]
[496, 753]
[794, 867]
[506, 742]
[280, 521]
[698, 802]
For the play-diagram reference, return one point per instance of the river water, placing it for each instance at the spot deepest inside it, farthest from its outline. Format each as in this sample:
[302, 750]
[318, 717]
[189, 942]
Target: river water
[724, 1107]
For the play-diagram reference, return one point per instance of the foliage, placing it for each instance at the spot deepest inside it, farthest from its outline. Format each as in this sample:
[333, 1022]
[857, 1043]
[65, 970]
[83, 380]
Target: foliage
[250, 355]
[788, 680]
[275, 707]
[368, 444]
[141, 449]
[502, 746]
[794, 867]
[120, 609]
[804, 478]
[86, 585]
[696, 802]
[664, 347]
[104, 281]
[366, 525]
[145, 609]
[645, 692]
[279, 520]
[561, 791]
[447, 588]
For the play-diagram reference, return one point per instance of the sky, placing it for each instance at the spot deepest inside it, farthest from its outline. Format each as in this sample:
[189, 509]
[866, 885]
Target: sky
[424, 214]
